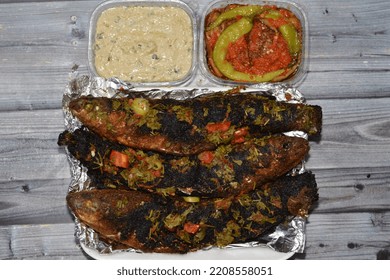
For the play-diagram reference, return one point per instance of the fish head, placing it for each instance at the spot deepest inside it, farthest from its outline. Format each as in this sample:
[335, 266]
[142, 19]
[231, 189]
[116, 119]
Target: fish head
[94, 209]
[290, 149]
[92, 112]
[87, 107]
[105, 210]
[105, 202]
[76, 106]
[85, 206]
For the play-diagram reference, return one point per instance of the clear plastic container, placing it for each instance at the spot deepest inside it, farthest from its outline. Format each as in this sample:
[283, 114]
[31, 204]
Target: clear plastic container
[293, 80]
[179, 75]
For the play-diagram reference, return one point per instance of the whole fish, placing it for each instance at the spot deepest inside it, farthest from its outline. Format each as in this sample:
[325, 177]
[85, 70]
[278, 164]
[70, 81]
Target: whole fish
[150, 223]
[230, 169]
[191, 126]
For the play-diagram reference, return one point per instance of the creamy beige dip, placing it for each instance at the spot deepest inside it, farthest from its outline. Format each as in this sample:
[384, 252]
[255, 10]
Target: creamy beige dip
[143, 44]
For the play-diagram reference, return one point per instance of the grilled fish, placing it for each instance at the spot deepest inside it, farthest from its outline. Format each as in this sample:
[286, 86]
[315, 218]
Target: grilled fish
[152, 223]
[231, 169]
[191, 126]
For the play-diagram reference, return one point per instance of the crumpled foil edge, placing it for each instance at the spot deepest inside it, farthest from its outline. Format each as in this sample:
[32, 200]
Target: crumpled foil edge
[287, 238]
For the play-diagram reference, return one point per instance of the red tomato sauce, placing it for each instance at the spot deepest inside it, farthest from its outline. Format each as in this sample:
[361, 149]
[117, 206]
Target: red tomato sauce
[258, 52]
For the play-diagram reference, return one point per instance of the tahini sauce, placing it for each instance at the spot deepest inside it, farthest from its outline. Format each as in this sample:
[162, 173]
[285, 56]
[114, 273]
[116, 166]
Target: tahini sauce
[143, 44]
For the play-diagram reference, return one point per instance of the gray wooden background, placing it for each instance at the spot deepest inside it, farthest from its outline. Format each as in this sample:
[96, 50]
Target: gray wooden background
[349, 70]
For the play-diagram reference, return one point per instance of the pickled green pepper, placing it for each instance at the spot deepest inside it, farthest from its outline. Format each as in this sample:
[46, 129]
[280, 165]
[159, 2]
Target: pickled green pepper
[291, 36]
[288, 32]
[231, 34]
[245, 11]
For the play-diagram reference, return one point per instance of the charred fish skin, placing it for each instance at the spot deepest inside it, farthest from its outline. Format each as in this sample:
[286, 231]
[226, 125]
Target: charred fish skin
[154, 224]
[193, 125]
[229, 170]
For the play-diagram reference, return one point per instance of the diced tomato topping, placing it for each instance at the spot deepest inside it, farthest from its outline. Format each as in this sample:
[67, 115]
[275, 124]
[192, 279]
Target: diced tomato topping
[139, 157]
[239, 135]
[119, 159]
[222, 204]
[156, 173]
[206, 157]
[191, 228]
[221, 126]
[238, 140]
[116, 118]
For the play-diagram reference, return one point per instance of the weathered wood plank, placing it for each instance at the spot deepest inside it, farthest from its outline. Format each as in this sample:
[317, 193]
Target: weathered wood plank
[38, 52]
[353, 190]
[31, 124]
[355, 134]
[357, 235]
[34, 202]
[45, 241]
[329, 84]
[28, 145]
[32, 159]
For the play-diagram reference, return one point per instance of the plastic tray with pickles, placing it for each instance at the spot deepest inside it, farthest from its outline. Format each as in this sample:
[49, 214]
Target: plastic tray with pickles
[253, 43]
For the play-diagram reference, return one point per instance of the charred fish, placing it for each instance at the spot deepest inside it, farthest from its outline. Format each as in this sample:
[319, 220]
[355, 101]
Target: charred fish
[152, 223]
[230, 169]
[191, 126]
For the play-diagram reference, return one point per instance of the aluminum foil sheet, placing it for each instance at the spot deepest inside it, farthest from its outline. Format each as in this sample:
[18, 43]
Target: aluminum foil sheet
[287, 238]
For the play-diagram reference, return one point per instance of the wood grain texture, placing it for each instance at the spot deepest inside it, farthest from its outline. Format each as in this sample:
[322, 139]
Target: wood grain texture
[348, 76]
[358, 235]
[41, 241]
[34, 202]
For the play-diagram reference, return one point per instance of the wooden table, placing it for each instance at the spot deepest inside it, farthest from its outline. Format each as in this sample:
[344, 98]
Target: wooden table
[349, 71]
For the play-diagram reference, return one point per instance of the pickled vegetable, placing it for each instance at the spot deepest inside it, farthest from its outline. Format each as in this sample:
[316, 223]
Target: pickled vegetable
[253, 43]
